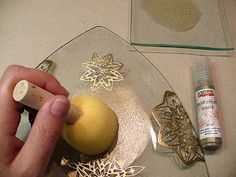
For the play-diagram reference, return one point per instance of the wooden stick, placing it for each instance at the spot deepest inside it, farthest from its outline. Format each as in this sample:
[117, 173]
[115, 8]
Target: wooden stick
[33, 96]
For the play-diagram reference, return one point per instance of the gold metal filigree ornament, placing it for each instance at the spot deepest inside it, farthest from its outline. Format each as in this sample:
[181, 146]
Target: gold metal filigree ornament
[102, 72]
[45, 66]
[101, 168]
[176, 131]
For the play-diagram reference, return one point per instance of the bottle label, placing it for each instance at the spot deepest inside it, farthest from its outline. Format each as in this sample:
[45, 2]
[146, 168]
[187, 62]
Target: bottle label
[207, 113]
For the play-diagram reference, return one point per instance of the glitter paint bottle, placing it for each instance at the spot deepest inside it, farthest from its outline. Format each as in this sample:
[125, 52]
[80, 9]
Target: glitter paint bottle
[206, 105]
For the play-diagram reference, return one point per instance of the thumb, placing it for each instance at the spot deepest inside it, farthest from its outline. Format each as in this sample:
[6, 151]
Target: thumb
[36, 152]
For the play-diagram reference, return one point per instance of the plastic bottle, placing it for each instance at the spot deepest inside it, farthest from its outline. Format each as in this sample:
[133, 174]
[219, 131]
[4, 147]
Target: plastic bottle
[206, 105]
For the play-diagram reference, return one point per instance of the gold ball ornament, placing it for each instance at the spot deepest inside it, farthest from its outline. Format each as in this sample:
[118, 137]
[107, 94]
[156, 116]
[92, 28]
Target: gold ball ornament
[96, 129]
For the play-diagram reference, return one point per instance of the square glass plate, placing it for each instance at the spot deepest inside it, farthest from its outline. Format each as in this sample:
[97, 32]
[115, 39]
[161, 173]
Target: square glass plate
[180, 26]
[155, 137]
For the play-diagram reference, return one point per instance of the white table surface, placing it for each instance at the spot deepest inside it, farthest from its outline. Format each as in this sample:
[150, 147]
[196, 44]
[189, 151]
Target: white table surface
[31, 30]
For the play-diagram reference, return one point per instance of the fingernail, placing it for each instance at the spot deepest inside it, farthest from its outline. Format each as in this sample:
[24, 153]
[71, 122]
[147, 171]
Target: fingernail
[60, 107]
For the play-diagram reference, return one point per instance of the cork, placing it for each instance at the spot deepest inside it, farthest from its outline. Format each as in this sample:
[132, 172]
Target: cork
[33, 96]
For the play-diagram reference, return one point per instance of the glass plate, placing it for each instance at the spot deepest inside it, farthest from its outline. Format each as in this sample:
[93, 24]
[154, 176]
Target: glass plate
[180, 26]
[100, 63]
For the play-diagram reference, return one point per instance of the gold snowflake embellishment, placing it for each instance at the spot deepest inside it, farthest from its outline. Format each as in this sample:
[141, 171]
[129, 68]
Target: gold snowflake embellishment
[176, 131]
[106, 167]
[45, 66]
[102, 72]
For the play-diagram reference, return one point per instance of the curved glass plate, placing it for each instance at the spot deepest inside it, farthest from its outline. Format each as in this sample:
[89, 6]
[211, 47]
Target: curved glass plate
[100, 63]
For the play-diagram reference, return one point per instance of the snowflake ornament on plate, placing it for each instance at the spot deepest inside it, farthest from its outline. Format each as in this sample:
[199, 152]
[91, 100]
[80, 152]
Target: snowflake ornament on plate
[106, 167]
[102, 72]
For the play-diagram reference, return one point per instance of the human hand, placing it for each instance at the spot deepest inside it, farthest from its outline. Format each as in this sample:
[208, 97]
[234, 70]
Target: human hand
[29, 159]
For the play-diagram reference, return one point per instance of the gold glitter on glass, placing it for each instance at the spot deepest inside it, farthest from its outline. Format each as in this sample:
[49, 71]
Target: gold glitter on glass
[45, 66]
[102, 72]
[101, 167]
[176, 131]
[177, 15]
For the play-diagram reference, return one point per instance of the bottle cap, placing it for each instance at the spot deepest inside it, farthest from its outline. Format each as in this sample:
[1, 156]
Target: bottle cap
[202, 72]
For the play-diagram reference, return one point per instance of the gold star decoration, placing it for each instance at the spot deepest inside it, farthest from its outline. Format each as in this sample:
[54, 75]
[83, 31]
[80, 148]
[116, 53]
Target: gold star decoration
[101, 167]
[45, 66]
[102, 72]
[176, 131]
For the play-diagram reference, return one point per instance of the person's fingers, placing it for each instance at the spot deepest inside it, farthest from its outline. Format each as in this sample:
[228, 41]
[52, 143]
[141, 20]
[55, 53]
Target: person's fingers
[9, 112]
[36, 152]
[15, 73]
[10, 146]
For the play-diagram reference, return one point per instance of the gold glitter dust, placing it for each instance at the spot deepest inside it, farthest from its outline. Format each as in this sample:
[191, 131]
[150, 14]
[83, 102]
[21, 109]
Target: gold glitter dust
[177, 15]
